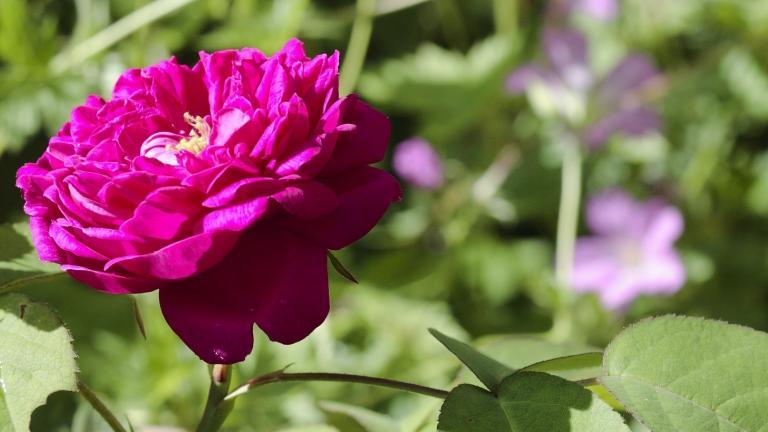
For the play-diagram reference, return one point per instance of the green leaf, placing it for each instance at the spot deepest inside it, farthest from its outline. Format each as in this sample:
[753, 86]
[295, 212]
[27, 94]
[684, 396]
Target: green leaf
[36, 359]
[579, 367]
[680, 374]
[488, 371]
[370, 421]
[528, 402]
[19, 263]
[448, 89]
[747, 81]
[521, 351]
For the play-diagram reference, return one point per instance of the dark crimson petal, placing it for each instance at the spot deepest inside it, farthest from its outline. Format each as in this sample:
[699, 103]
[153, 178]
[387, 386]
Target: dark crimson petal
[364, 144]
[178, 260]
[272, 277]
[109, 282]
[307, 200]
[364, 195]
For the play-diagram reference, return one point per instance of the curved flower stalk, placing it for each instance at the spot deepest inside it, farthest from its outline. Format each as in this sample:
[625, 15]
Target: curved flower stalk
[565, 86]
[222, 185]
[631, 251]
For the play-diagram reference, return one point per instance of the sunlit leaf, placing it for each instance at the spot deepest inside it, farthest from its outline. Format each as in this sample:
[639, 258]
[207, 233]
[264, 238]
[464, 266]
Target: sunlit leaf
[528, 402]
[489, 371]
[36, 359]
[682, 374]
[578, 367]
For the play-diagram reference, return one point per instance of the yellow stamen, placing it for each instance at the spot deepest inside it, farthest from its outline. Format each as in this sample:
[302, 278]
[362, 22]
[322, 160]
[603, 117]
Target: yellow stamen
[198, 136]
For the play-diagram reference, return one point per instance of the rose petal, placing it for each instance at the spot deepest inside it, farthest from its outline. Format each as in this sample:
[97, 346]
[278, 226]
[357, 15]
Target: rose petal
[307, 200]
[109, 282]
[238, 217]
[178, 260]
[272, 277]
[364, 195]
[365, 144]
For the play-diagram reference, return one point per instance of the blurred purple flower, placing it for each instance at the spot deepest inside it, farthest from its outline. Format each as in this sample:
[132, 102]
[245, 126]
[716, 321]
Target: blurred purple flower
[599, 9]
[614, 103]
[632, 251]
[416, 162]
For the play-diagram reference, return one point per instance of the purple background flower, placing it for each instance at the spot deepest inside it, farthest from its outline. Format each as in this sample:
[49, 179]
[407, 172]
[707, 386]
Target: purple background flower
[600, 9]
[631, 251]
[614, 103]
[416, 162]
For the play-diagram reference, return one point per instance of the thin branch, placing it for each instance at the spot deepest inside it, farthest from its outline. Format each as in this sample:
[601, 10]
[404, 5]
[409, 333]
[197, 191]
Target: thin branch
[100, 408]
[38, 278]
[281, 376]
[114, 33]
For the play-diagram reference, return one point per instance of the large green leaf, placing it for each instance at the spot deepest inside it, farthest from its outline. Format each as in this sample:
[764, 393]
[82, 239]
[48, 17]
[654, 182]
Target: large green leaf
[488, 371]
[36, 359]
[368, 420]
[679, 374]
[528, 402]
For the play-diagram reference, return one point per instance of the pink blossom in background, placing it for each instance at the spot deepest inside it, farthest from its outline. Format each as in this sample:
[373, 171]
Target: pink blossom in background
[222, 185]
[631, 251]
[416, 162]
[614, 103]
[599, 9]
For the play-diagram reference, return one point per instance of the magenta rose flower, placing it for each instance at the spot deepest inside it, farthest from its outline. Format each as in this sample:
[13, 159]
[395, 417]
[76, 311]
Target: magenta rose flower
[222, 185]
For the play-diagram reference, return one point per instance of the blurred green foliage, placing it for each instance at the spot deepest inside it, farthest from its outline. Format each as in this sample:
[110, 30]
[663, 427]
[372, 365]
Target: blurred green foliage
[471, 259]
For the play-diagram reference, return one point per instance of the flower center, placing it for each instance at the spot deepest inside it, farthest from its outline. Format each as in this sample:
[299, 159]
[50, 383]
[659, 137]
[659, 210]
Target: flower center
[629, 252]
[198, 135]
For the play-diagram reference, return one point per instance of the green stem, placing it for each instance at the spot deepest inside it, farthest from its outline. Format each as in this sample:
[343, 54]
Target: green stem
[451, 20]
[34, 279]
[114, 33]
[217, 408]
[505, 16]
[281, 376]
[568, 217]
[358, 45]
[567, 225]
[100, 408]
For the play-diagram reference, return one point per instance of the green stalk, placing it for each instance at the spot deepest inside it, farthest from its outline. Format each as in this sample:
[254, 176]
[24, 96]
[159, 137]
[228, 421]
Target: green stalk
[15, 284]
[359, 39]
[216, 407]
[568, 217]
[100, 407]
[114, 33]
[505, 16]
[567, 226]
[281, 376]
